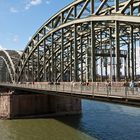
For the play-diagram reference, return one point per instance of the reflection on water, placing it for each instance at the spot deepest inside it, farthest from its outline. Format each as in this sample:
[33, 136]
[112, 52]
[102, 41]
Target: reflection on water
[99, 120]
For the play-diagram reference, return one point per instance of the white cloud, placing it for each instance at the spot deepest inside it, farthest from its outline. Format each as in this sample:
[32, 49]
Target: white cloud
[13, 10]
[35, 2]
[2, 48]
[31, 3]
[27, 4]
[47, 2]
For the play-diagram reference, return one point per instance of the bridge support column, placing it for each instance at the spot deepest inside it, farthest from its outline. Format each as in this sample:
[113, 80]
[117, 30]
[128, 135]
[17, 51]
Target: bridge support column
[24, 105]
[5, 106]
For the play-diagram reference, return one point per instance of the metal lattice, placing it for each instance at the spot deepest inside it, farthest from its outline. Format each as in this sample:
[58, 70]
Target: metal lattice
[88, 40]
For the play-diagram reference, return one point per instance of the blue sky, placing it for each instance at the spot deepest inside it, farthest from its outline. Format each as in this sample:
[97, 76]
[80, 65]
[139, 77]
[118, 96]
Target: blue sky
[20, 19]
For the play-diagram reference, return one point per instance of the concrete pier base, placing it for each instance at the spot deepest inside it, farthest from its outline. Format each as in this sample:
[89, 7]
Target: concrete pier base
[35, 105]
[5, 106]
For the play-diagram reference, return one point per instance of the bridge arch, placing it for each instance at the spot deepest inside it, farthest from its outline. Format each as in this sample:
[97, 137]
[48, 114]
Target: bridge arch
[10, 59]
[70, 45]
[10, 75]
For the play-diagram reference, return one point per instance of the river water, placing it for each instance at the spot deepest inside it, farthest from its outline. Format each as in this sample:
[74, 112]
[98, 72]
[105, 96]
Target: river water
[98, 121]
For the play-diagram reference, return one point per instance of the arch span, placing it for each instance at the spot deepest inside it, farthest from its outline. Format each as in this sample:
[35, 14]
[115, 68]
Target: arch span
[73, 43]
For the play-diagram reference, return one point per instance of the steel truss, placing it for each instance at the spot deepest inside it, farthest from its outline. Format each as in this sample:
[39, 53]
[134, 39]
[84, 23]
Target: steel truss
[8, 62]
[89, 40]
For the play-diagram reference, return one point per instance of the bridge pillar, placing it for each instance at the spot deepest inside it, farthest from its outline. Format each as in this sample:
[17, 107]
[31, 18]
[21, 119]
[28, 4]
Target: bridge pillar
[24, 105]
[5, 106]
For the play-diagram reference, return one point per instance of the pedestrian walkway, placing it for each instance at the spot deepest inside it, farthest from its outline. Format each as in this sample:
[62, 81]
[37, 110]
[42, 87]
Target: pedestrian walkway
[115, 92]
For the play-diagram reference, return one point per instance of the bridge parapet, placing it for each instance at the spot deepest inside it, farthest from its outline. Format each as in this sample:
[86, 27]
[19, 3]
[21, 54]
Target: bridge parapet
[116, 89]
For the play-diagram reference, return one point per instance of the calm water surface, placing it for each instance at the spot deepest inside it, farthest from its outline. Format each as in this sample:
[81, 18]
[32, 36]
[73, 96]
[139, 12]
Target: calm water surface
[99, 121]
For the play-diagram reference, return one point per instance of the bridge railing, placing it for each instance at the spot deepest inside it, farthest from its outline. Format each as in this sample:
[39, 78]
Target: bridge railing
[91, 89]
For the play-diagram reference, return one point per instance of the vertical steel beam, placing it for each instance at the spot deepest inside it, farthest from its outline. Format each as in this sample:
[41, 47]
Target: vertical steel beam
[44, 63]
[38, 61]
[33, 80]
[139, 47]
[135, 71]
[67, 63]
[116, 5]
[28, 69]
[131, 8]
[71, 63]
[114, 68]
[110, 38]
[106, 59]
[75, 48]
[75, 11]
[38, 64]
[52, 58]
[101, 65]
[128, 58]
[106, 67]
[62, 51]
[125, 68]
[132, 43]
[75, 55]
[117, 51]
[49, 67]
[114, 63]
[54, 64]
[44, 55]
[132, 51]
[93, 57]
[92, 7]
[139, 11]
[62, 55]
[81, 58]
[87, 60]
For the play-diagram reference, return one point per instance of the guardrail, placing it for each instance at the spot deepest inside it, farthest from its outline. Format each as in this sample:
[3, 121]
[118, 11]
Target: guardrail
[92, 89]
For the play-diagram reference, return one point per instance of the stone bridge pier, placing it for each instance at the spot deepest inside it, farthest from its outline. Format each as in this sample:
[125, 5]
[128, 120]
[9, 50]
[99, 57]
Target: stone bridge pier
[21, 104]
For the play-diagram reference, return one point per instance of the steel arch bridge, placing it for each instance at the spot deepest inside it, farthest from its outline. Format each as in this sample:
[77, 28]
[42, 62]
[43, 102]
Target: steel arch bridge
[88, 40]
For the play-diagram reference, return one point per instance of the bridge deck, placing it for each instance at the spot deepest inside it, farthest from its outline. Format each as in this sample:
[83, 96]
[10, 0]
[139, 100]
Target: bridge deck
[113, 94]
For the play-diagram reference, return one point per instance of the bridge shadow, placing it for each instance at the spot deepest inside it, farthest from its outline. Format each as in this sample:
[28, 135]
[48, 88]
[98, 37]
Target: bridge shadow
[72, 123]
[75, 123]
[71, 120]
